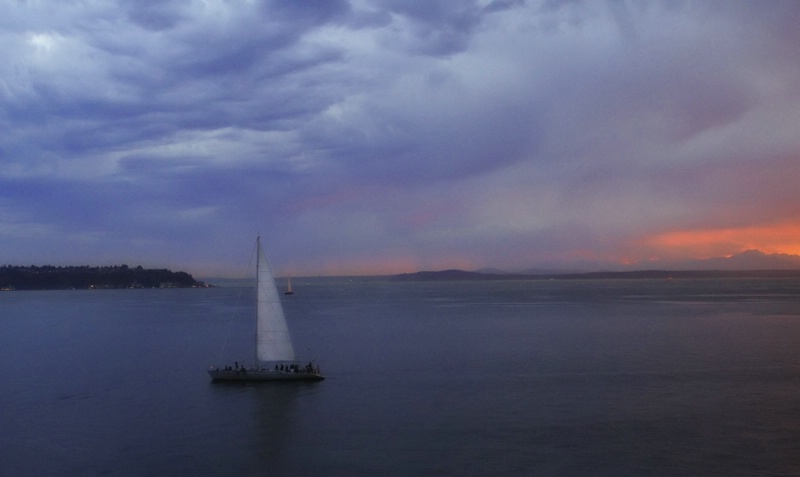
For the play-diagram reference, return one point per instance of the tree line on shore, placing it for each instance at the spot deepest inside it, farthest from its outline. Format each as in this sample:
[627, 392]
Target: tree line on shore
[48, 277]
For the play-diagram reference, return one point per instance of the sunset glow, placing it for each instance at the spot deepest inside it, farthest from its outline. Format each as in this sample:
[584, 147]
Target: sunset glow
[781, 238]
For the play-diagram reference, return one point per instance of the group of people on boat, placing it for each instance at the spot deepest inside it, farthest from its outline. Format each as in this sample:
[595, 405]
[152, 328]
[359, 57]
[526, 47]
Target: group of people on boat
[282, 368]
[237, 368]
[296, 368]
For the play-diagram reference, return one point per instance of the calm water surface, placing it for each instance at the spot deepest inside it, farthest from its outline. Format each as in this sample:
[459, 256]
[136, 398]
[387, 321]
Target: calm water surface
[650, 377]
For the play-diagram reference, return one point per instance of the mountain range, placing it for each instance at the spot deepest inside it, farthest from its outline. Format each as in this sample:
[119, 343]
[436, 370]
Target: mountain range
[750, 263]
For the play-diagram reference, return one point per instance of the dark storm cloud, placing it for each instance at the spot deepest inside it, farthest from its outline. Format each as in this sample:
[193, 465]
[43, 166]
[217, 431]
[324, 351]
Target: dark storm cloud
[154, 15]
[440, 27]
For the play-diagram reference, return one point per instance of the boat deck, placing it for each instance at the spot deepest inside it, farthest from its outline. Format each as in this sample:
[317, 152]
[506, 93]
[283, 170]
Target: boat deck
[262, 375]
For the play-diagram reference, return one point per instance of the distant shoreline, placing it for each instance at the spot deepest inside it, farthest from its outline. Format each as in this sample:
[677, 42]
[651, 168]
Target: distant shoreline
[463, 275]
[121, 277]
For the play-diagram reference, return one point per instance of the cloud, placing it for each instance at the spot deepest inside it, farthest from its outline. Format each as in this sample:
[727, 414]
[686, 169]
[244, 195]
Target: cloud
[379, 134]
[709, 243]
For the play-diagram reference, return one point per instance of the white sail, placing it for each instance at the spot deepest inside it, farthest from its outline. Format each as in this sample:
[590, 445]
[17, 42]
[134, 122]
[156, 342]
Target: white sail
[273, 342]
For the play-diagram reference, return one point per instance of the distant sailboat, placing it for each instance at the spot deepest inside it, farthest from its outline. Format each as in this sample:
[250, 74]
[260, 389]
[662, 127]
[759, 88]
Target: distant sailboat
[275, 358]
[288, 287]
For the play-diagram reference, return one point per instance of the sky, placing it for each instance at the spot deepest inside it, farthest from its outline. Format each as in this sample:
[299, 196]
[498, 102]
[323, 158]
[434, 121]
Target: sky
[390, 136]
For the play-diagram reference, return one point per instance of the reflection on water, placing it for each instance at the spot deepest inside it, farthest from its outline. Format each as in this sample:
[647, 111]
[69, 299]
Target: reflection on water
[270, 416]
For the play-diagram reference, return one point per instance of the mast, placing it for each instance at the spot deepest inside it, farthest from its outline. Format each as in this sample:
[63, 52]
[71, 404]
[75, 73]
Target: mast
[258, 299]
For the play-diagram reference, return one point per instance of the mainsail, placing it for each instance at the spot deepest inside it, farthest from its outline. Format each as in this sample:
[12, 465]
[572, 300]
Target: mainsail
[273, 342]
[275, 359]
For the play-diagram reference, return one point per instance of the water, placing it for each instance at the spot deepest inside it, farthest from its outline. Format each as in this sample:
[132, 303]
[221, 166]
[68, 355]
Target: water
[650, 377]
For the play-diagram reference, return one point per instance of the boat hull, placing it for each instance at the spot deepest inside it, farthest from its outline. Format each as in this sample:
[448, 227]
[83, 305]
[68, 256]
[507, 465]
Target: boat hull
[262, 375]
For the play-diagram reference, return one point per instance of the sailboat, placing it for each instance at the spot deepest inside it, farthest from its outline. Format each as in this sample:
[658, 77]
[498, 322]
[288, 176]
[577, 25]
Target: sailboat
[275, 358]
[288, 286]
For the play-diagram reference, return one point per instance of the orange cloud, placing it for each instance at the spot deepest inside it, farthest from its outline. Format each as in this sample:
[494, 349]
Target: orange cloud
[778, 238]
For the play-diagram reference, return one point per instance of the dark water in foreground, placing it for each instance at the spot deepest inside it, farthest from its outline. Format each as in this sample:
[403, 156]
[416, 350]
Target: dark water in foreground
[651, 377]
